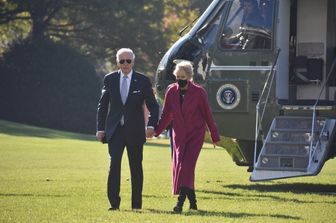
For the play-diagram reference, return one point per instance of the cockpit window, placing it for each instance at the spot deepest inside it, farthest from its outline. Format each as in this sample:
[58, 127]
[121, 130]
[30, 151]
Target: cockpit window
[249, 25]
[207, 33]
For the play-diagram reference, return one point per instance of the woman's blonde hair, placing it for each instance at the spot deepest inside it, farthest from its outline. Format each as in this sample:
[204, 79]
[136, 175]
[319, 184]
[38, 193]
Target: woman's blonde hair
[186, 66]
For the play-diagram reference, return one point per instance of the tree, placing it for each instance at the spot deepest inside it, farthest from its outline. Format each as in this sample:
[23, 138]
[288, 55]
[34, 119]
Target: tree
[95, 28]
[50, 85]
[200, 5]
[179, 14]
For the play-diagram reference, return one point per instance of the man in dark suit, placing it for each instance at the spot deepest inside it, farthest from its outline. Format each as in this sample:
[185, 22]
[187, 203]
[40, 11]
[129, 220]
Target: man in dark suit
[121, 123]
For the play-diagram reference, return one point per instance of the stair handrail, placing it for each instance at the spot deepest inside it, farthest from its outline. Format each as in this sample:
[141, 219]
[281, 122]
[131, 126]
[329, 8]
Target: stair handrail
[317, 145]
[259, 117]
[312, 135]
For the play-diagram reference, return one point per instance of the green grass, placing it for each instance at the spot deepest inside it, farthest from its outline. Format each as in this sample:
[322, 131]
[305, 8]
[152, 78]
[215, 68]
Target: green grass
[53, 176]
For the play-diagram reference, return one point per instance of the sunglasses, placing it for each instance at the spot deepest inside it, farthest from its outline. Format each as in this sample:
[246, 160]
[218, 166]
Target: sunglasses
[127, 60]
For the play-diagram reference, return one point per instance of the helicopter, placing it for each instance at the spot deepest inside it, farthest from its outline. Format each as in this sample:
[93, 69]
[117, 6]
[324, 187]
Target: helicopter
[269, 68]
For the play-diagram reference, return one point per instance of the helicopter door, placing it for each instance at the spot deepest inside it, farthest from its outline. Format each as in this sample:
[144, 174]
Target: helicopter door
[309, 41]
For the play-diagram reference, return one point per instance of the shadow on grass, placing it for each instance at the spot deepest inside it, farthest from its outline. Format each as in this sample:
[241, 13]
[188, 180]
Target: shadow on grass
[297, 188]
[252, 197]
[32, 195]
[16, 129]
[156, 196]
[223, 214]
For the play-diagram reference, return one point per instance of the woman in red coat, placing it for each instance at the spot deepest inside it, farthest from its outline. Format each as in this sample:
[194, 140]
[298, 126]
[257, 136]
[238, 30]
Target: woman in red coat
[186, 106]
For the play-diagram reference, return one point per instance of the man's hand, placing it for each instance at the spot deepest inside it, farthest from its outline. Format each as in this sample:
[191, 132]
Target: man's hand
[150, 132]
[100, 135]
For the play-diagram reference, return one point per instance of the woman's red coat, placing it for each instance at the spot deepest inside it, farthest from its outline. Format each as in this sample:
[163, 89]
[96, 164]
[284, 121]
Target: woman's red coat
[190, 122]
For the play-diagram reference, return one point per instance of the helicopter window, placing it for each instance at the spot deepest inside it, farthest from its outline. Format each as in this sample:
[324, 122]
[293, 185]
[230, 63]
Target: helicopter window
[207, 33]
[249, 25]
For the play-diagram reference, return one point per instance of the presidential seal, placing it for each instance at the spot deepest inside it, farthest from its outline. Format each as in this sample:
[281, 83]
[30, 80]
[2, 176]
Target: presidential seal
[228, 96]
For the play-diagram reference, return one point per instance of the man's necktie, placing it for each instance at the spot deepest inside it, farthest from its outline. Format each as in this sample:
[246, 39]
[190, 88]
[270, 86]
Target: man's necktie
[123, 90]
[123, 93]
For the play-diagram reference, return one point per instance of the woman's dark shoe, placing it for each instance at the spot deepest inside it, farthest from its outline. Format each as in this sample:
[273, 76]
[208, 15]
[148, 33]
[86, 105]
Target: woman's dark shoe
[180, 200]
[193, 206]
[192, 199]
[177, 209]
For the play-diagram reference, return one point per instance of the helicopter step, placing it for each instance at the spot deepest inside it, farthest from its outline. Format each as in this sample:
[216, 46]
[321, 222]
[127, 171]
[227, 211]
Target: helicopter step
[292, 149]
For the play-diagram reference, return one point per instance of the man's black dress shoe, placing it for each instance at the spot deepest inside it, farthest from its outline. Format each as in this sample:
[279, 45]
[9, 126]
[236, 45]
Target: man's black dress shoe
[113, 209]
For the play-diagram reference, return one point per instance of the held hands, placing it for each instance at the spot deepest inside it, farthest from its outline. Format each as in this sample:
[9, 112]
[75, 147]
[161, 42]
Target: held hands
[100, 136]
[150, 132]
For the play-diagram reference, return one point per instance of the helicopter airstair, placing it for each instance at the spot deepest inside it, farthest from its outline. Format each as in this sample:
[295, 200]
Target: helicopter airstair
[294, 148]
[296, 144]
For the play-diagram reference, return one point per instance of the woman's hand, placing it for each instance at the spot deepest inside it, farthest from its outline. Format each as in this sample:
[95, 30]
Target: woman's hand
[150, 132]
[216, 144]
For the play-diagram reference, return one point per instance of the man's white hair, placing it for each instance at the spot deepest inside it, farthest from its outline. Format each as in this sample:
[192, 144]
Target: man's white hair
[124, 50]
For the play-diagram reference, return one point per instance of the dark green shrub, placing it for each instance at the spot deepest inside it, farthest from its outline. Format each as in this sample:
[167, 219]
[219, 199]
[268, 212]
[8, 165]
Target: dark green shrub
[50, 85]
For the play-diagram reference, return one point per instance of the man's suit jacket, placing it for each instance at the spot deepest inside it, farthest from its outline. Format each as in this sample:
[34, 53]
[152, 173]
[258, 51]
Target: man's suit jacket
[111, 108]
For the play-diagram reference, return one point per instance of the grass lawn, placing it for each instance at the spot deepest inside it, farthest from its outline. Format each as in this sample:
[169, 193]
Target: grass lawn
[53, 176]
